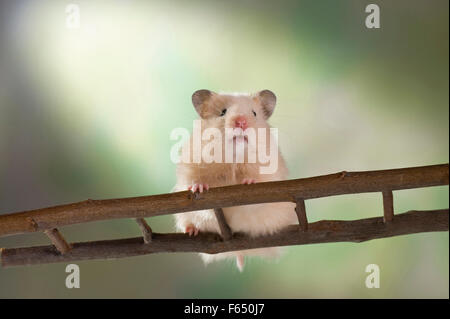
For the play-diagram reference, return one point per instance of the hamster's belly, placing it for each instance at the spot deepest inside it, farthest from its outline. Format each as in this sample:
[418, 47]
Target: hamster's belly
[260, 219]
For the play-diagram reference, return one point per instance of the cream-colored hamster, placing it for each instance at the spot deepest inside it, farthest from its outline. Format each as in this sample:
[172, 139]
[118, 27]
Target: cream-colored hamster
[225, 112]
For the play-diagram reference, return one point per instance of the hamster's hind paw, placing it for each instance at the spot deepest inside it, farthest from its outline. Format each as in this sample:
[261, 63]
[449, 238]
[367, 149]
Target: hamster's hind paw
[198, 187]
[248, 181]
[240, 262]
[191, 230]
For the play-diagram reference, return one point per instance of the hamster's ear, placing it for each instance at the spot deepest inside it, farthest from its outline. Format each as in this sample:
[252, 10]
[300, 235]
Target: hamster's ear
[199, 99]
[268, 100]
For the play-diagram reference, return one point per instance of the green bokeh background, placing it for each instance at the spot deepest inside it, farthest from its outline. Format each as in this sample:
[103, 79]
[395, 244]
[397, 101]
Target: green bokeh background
[87, 113]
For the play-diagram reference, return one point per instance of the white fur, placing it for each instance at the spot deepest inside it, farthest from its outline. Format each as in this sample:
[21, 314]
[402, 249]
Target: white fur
[253, 220]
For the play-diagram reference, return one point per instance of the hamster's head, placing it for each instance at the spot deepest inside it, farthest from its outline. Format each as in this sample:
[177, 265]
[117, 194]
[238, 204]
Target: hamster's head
[241, 110]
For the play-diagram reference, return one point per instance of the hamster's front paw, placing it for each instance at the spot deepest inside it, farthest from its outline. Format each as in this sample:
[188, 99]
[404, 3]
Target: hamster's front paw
[248, 181]
[198, 187]
[191, 230]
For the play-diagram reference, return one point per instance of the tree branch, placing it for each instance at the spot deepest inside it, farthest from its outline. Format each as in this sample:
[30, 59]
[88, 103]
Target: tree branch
[297, 191]
[58, 240]
[388, 206]
[300, 210]
[284, 191]
[225, 230]
[146, 230]
[318, 232]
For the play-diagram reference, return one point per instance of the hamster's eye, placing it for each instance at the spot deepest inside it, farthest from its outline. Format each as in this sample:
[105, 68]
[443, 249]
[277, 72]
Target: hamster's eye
[254, 113]
[223, 112]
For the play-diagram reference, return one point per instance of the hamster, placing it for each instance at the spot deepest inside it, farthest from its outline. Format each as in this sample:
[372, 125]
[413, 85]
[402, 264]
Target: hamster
[243, 113]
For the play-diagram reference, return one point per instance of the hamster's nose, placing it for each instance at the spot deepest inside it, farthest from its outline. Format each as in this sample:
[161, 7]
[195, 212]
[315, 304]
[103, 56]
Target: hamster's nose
[241, 122]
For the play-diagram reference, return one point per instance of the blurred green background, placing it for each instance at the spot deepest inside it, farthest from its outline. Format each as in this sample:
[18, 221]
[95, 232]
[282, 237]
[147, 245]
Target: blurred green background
[87, 113]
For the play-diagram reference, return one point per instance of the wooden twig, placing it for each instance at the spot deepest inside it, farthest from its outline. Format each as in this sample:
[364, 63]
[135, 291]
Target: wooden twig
[284, 191]
[388, 206]
[146, 230]
[318, 232]
[225, 230]
[58, 240]
[300, 210]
